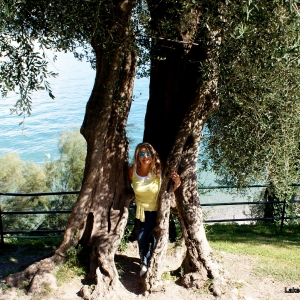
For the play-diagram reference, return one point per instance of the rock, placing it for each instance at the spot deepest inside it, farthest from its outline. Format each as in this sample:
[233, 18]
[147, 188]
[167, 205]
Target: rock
[231, 295]
[192, 280]
[43, 282]
[85, 292]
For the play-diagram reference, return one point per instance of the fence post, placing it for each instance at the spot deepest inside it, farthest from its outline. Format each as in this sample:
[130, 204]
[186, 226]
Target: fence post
[282, 216]
[1, 227]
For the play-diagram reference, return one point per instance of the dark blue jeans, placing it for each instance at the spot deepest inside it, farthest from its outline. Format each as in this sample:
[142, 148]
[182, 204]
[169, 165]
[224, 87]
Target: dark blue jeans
[146, 239]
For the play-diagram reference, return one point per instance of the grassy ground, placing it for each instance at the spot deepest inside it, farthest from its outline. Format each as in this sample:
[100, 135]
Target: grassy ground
[277, 253]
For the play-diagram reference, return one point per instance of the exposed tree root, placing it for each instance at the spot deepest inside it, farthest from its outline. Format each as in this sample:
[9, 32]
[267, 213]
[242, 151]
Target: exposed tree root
[36, 275]
[199, 264]
[104, 287]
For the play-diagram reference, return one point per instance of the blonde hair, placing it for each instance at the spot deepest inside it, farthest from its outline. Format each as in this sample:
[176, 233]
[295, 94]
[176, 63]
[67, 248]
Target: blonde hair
[155, 166]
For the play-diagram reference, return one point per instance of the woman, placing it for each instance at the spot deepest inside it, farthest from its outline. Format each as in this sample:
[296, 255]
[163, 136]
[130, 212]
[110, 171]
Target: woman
[145, 176]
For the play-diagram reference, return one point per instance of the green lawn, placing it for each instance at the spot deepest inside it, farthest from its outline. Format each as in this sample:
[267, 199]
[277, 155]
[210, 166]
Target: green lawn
[277, 253]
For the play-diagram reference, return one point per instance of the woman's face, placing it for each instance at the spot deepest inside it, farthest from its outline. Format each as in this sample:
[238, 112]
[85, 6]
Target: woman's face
[144, 156]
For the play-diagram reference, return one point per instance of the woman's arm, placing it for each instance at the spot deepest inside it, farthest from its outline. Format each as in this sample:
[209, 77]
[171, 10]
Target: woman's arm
[175, 177]
[130, 172]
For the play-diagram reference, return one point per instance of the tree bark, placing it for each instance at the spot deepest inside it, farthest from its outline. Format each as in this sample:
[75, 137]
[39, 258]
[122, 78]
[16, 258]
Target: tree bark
[269, 208]
[100, 215]
[181, 99]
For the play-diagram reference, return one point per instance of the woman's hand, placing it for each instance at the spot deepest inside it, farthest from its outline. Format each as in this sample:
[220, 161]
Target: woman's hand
[175, 177]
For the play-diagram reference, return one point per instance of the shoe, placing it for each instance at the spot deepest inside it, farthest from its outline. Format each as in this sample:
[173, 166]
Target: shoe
[143, 270]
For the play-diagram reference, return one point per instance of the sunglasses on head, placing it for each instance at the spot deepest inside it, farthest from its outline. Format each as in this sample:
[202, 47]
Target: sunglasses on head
[142, 154]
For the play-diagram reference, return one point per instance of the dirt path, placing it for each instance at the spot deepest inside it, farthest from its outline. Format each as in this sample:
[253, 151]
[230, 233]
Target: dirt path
[243, 284]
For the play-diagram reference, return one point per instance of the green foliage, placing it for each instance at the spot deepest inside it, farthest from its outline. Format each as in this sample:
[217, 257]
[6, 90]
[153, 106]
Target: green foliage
[29, 28]
[274, 210]
[141, 18]
[73, 258]
[74, 266]
[5, 287]
[169, 276]
[119, 268]
[175, 229]
[21, 177]
[125, 238]
[66, 172]
[62, 174]
[254, 136]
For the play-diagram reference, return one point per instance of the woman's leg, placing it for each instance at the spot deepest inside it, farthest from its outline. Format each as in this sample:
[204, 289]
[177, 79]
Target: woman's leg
[146, 236]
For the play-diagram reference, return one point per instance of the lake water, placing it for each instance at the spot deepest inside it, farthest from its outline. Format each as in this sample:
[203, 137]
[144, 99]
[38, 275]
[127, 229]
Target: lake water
[37, 139]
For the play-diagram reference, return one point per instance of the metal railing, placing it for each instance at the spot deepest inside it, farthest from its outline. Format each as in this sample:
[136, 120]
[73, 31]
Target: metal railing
[281, 218]
[6, 232]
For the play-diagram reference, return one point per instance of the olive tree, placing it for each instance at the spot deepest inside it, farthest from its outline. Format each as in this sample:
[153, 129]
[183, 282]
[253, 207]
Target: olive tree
[232, 65]
[195, 49]
[254, 136]
[104, 31]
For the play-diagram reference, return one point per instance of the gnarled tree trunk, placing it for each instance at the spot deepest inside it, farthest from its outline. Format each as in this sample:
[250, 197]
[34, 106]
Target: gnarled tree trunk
[182, 97]
[100, 215]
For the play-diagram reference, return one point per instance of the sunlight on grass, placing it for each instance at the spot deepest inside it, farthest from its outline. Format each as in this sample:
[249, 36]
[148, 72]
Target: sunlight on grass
[13, 260]
[282, 270]
[65, 273]
[168, 276]
[74, 266]
[276, 253]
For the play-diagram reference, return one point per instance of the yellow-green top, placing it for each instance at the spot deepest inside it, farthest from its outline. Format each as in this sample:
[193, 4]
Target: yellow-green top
[145, 194]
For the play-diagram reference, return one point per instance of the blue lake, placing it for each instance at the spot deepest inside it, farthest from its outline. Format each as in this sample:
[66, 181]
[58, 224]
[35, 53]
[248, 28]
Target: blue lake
[36, 140]
[38, 136]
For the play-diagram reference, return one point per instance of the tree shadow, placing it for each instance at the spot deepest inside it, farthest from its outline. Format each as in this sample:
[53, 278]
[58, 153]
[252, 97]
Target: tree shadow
[129, 269]
[255, 234]
[16, 258]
